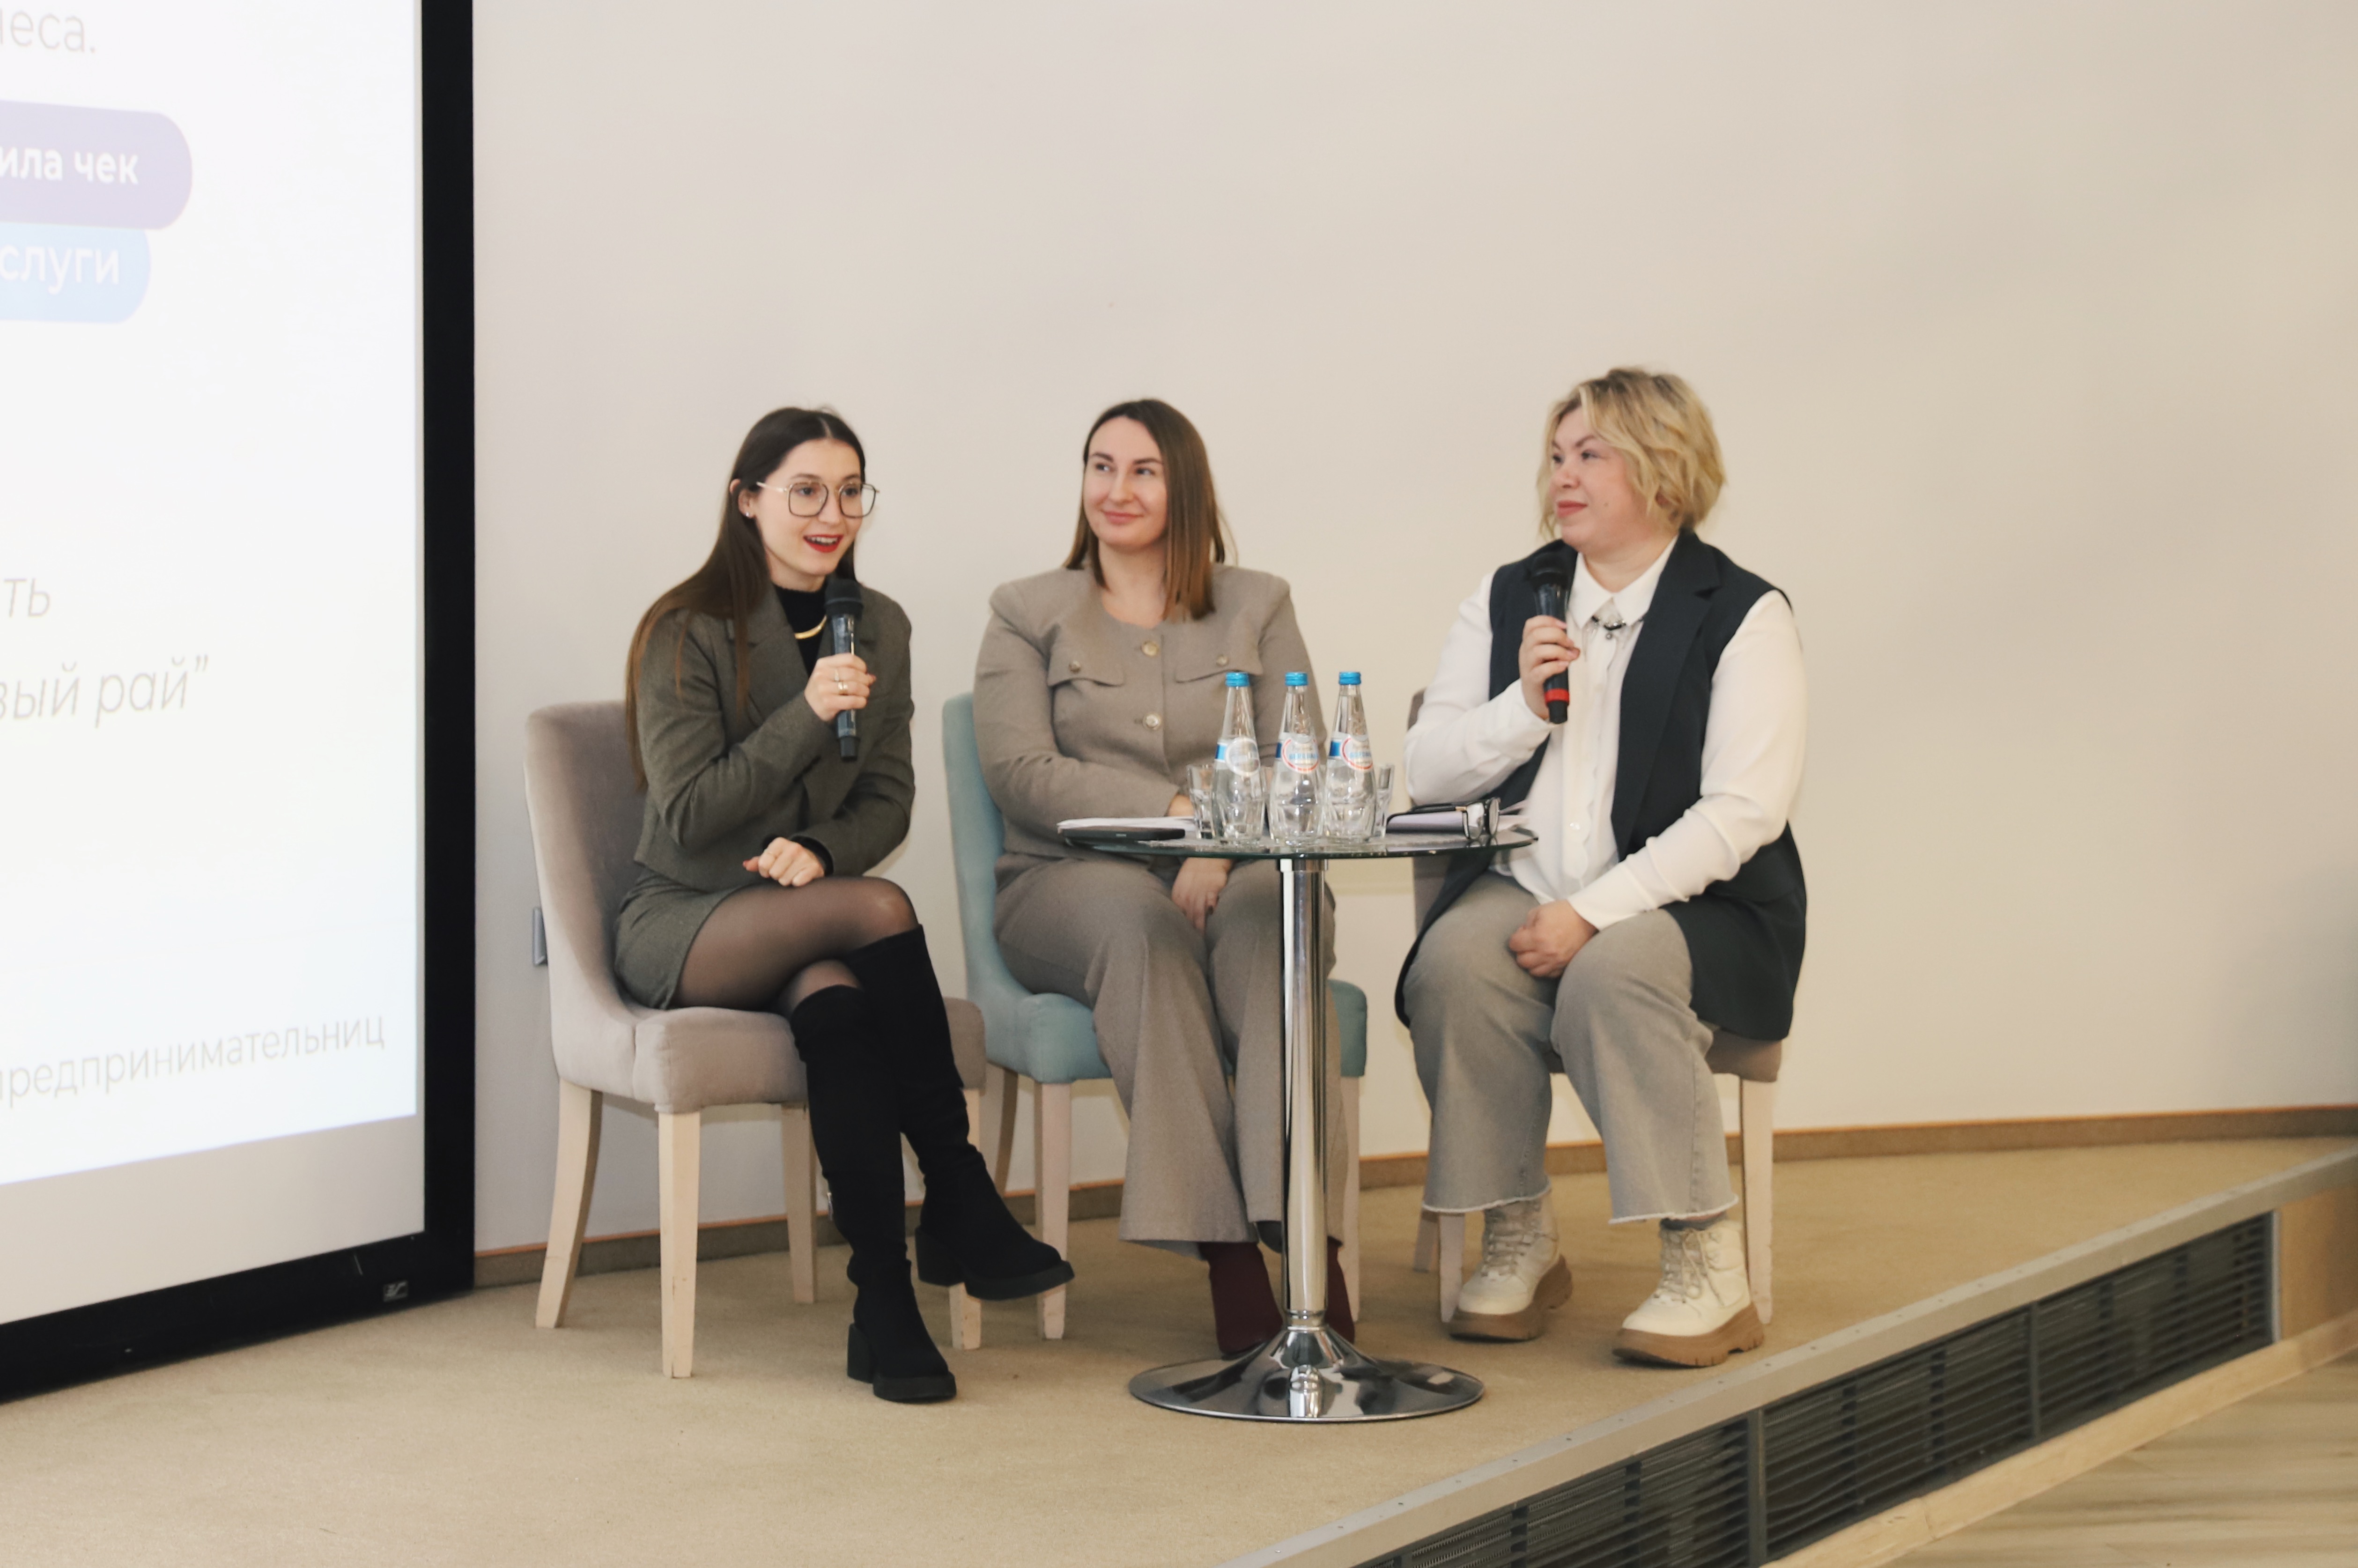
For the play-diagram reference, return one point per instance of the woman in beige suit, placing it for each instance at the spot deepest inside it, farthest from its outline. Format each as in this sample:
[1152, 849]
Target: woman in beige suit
[752, 895]
[1096, 686]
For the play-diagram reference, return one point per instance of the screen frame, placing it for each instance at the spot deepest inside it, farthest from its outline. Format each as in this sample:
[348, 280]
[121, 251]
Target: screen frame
[90, 1341]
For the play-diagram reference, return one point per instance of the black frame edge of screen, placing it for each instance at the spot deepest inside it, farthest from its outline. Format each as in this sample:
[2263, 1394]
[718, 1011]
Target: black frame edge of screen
[93, 1341]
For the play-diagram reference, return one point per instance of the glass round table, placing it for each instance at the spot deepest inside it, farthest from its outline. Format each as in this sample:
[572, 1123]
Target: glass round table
[1307, 1372]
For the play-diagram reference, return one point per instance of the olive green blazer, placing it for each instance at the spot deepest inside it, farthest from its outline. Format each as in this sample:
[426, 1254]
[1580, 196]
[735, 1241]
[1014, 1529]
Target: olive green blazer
[1076, 714]
[721, 783]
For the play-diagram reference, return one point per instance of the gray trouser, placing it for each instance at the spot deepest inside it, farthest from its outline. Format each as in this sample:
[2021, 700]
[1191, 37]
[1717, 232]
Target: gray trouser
[1620, 1024]
[1177, 1013]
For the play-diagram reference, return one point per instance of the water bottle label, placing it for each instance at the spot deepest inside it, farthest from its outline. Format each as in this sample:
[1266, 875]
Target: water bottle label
[1241, 755]
[1358, 753]
[1298, 753]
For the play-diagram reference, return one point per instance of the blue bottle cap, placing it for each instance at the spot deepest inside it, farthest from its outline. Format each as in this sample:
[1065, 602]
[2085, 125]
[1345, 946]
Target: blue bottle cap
[1349, 678]
[1236, 677]
[1297, 678]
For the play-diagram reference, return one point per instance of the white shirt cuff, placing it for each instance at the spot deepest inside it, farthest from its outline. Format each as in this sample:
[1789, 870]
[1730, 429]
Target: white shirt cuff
[1612, 897]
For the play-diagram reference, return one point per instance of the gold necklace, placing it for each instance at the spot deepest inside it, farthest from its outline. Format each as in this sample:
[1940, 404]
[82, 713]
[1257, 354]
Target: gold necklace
[807, 636]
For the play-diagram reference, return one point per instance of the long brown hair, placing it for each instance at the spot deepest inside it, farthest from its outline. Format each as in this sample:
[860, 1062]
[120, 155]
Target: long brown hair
[733, 579]
[1195, 534]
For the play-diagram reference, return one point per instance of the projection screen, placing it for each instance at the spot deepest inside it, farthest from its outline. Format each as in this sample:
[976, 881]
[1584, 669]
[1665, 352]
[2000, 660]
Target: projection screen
[211, 650]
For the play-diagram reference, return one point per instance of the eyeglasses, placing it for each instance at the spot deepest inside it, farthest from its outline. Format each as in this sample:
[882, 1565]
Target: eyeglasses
[807, 498]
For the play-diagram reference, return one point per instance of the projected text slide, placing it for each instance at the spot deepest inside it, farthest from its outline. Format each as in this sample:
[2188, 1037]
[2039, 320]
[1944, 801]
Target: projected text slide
[208, 537]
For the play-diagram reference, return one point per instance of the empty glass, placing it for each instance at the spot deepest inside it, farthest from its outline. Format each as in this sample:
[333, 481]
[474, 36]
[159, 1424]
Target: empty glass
[1199, 791]
[1380, 800]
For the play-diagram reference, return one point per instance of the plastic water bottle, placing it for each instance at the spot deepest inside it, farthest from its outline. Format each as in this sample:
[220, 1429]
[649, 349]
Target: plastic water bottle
[1237, 787]
[1350, 766]
[1294, 787]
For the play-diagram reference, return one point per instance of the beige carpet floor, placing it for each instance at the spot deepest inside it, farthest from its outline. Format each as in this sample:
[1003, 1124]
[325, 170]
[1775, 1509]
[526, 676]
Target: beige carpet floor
[455, 1434]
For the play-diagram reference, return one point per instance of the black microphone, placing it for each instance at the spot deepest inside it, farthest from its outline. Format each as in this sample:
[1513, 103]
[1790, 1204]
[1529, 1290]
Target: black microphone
[841, 602]
[1552, 583]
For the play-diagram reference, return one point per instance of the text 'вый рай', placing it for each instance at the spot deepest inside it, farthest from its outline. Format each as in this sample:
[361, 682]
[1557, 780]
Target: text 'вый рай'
[112, 696]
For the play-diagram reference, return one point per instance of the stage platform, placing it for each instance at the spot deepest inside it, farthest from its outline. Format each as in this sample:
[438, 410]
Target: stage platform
[455, 1432]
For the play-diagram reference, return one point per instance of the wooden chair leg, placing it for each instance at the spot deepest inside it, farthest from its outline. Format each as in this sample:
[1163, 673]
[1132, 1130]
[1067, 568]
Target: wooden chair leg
[579, 1113]
[1428, 1241]
[802, 1202]
[1351, 1191]
[966, 1313]
[679, 1144]
[1052, 1128]
[1449, 1262]
[999, 1121]
[1757, 1125]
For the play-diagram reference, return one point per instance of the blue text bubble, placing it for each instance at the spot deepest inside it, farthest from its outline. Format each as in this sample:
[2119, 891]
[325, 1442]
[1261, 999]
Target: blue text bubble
[49, 272]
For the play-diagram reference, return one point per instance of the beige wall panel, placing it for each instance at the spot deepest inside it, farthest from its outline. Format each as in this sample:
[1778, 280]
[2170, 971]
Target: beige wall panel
[2028, 328]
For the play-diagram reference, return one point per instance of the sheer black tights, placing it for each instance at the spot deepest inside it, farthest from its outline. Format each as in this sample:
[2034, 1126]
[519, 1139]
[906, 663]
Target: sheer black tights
[766, 948]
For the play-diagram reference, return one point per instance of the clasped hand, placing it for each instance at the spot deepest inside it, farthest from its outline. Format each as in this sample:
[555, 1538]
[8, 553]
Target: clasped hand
[1548, 940]
[788, 864]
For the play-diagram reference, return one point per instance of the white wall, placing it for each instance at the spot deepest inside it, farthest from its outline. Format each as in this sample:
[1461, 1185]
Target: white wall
[2028, 329]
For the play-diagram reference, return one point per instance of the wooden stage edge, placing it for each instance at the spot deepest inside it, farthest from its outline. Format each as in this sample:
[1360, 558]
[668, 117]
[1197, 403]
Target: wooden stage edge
[1102, 1200]
[1925, 1519]
[2316, 1210]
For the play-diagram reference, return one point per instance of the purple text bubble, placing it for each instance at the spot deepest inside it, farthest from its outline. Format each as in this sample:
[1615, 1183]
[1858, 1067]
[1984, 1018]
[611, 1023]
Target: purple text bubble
[100, 168]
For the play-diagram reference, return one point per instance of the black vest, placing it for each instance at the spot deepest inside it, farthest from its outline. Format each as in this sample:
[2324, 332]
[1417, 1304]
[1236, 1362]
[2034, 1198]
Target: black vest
[1745, 934]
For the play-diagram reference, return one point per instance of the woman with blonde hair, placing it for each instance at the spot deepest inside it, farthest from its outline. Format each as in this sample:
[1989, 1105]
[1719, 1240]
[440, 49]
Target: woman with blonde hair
[1664, 899]
[1096, 686]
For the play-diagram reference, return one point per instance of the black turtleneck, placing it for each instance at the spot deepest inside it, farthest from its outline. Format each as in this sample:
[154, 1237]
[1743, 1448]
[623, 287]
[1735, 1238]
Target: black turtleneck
[806, 612]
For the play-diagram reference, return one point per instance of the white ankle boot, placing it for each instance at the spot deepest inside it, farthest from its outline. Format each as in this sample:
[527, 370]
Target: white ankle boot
[1522, 1274]
[1702, 1312]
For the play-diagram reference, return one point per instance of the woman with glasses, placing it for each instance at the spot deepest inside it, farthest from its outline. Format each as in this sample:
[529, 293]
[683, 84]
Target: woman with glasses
[751, 894]
[1098, 685]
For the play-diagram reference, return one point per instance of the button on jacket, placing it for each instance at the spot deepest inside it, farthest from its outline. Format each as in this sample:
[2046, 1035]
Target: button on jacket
[1077, 714]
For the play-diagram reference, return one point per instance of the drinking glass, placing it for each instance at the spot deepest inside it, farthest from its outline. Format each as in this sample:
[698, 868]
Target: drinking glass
[1199, 791]
[1379, 801]
[1252, 810]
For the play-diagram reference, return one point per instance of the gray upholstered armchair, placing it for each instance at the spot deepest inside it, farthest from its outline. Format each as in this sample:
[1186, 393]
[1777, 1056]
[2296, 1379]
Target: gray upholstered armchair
[586, 815]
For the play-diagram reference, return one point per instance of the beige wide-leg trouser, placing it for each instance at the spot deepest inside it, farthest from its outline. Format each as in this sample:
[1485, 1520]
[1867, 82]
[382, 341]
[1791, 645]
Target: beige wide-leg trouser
[1619, 1024]
[1179, 1013]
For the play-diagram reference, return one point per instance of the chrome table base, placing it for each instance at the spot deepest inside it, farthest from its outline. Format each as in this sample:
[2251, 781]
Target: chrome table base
[1305, 1375]
[1308, 1372]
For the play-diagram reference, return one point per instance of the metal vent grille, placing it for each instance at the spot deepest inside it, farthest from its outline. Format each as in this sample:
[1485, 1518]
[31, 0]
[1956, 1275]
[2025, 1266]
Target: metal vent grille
[1754, 1489]
[2118, 1339]
[1848, 1448]
[1687, 1502]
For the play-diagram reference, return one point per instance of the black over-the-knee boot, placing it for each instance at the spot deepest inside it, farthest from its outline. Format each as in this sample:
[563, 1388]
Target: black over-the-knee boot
[857, 1133]
[964, 1235]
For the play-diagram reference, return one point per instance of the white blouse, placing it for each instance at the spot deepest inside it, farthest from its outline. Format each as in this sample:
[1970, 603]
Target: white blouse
[1467, 743]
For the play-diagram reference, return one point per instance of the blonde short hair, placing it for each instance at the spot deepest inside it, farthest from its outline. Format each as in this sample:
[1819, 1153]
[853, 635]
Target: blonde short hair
[1661, 429]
